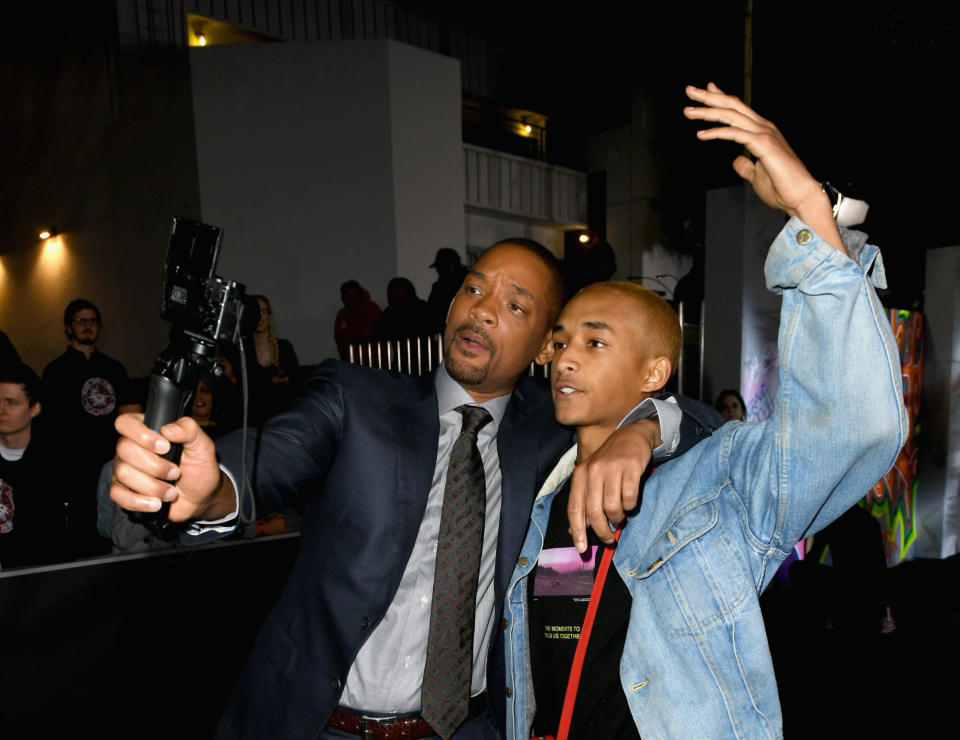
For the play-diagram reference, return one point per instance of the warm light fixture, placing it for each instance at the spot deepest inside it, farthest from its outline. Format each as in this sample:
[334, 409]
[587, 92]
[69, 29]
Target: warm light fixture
[584, 237]
[527, 128]
[201, 39]
[47, 233]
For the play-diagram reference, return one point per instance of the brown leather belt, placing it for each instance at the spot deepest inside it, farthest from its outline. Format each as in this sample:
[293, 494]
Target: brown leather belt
[411, 727]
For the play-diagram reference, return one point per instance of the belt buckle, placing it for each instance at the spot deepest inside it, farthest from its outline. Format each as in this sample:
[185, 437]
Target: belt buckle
[365, 733]
[366, 726]
[364, 729]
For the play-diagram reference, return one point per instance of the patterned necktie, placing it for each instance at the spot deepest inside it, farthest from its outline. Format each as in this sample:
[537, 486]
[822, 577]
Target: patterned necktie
[447, 673]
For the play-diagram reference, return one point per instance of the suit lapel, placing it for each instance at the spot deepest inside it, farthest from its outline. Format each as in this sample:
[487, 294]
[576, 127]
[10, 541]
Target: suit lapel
[518, 445]
[416, 428]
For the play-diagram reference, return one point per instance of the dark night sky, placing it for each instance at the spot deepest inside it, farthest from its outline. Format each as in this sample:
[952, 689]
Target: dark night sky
[863, 92]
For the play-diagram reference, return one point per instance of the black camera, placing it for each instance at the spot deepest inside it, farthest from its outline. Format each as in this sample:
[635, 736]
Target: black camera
[195, 300]
[204, 310]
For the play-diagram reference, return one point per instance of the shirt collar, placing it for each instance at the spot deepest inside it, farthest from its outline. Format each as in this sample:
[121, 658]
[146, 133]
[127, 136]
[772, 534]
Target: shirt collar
[450, 395]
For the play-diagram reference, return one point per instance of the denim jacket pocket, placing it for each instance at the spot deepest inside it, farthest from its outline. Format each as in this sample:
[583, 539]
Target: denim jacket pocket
[687, 527]
[694, 577]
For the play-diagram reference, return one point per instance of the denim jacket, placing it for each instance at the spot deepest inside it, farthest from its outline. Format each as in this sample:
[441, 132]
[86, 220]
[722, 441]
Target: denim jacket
[715, 523]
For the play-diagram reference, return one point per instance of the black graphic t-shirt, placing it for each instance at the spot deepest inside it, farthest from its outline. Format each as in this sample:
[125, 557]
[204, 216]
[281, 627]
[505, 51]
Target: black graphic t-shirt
[32, 525]
[79, 405]
[559, 594]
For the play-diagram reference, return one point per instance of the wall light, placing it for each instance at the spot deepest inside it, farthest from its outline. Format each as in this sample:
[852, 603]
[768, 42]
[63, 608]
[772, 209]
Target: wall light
[47, 233]
[527, 128]
[54, 258]
[201, 39]
[584, 237]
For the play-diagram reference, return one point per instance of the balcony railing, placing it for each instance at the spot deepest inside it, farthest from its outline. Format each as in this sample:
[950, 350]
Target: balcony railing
[516, 186]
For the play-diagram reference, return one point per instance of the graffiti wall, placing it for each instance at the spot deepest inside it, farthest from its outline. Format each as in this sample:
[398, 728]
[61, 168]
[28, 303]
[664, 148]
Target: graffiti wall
[893, 499]
[761, 382]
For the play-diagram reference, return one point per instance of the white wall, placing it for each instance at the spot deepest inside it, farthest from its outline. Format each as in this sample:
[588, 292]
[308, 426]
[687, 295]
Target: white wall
[633, 187]
[325, 162]
[427, 144]
[741, 316]
[484, 230]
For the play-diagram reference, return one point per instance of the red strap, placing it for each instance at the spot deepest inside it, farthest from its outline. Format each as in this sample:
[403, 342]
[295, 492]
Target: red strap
[573, 683]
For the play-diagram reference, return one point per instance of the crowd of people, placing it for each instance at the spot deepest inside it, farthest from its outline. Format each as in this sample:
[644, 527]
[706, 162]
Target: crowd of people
[62, 512]
[360, 324]
[72, 407]
[361, 328]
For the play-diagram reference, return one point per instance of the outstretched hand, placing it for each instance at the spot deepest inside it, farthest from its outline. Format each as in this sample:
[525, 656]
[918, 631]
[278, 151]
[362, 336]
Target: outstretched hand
[777, 175]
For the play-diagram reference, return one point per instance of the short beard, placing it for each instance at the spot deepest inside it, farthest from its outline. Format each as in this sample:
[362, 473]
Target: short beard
[461, 372]
[71, 336]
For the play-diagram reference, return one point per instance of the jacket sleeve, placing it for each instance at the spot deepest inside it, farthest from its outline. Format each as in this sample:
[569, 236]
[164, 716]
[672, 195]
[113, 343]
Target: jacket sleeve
[292, 451]
[839, 420]
[698, 422]
[286, 458]
[683, 423]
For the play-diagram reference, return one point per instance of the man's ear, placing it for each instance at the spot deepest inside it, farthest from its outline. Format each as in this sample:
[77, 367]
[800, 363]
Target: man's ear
[656, 373]
[545, 355]
[35, 410]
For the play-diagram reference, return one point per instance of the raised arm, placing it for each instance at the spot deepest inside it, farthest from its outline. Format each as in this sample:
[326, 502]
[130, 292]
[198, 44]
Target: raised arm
[839, 419]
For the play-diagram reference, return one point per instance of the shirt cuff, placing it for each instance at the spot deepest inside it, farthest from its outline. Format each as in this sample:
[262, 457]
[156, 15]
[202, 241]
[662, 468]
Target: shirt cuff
[223, 525]
[668, 413]
[798, 251]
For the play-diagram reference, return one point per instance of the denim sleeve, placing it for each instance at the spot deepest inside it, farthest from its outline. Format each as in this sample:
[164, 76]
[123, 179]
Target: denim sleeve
[839, 420]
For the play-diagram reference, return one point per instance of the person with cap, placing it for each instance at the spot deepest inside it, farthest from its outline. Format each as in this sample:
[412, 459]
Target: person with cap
[450, 275]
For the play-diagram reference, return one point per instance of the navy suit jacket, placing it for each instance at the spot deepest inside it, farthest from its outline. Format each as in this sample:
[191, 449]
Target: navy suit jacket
[358, 451]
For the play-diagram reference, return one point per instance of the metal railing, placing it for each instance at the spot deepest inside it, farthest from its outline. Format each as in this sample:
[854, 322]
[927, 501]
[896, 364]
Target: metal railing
[412, 355]
[420, 355]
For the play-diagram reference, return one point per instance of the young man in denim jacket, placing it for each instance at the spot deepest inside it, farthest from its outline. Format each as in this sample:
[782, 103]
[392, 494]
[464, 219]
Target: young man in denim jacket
[715, 523]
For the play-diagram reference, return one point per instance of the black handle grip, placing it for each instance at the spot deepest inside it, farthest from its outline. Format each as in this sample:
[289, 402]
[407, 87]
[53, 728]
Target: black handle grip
[166, 402]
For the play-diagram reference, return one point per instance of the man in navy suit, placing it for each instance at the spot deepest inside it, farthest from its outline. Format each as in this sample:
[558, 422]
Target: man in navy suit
[365, 454]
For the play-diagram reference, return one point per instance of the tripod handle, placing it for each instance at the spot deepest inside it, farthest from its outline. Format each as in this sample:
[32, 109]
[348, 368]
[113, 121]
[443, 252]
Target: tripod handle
[166, 402]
